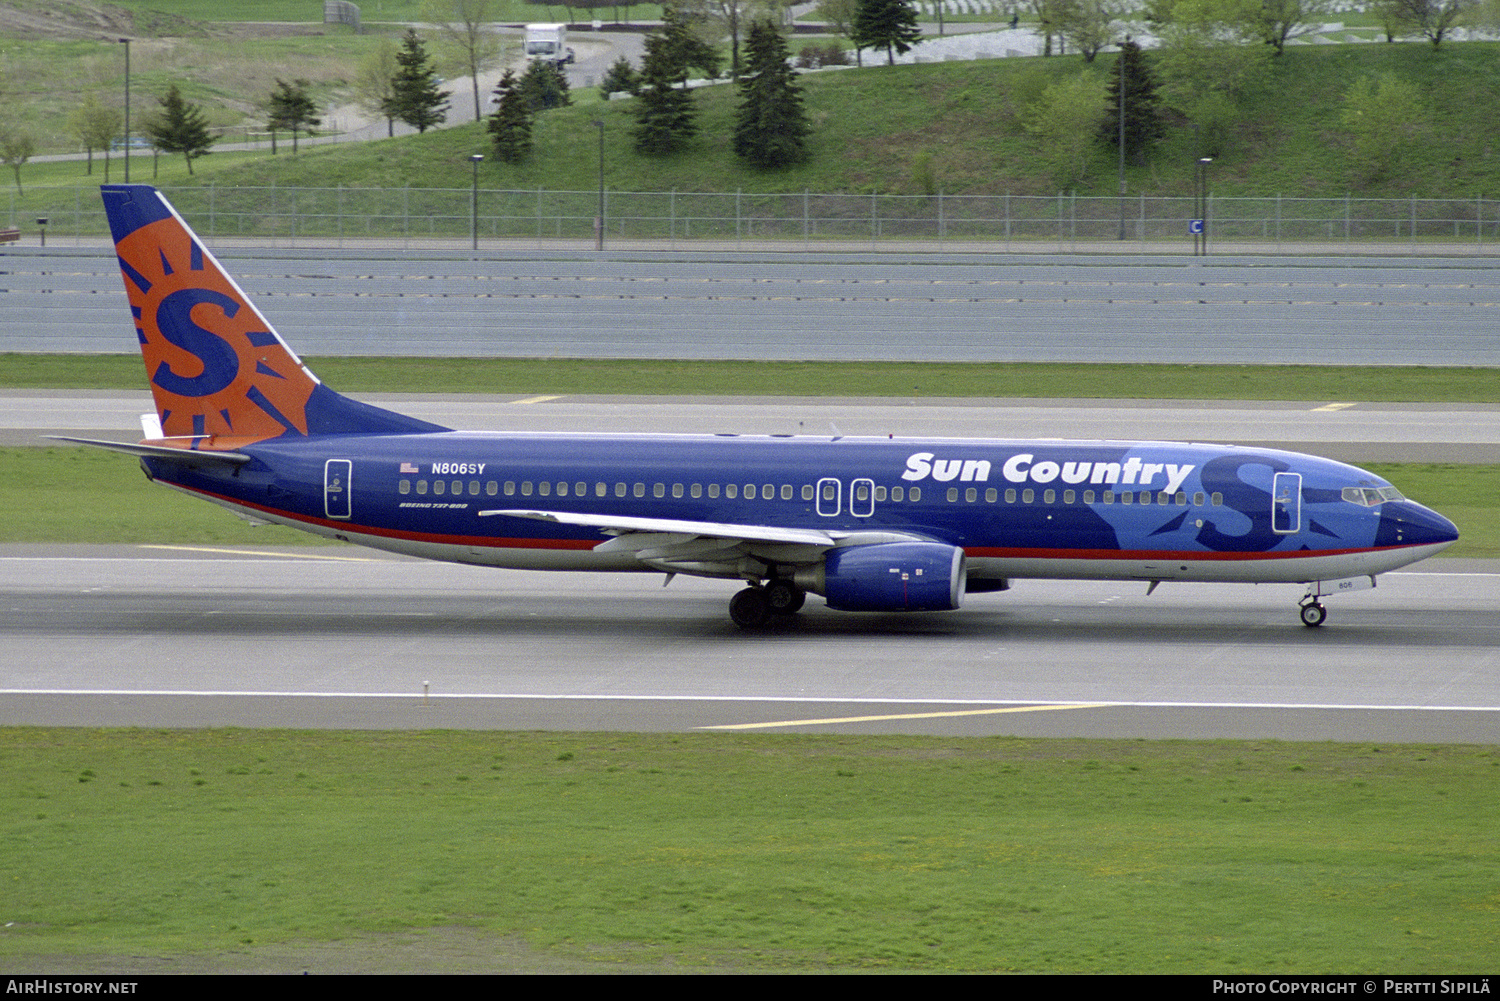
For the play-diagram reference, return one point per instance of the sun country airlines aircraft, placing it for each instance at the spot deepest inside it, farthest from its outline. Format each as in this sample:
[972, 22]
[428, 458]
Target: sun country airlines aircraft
[882, 525]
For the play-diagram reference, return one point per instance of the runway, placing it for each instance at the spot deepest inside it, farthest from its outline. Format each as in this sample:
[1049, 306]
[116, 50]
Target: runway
[137, 636]
[798, 306]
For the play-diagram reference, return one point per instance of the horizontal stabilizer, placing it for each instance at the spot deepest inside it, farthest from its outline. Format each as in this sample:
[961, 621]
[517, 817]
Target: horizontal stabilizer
[186, 456]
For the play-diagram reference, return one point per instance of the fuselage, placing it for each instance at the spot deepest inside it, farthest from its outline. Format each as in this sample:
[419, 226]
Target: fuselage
[1017, 509]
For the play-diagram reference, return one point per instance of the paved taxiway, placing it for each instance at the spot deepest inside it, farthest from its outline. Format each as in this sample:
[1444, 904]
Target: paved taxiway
[341, 638]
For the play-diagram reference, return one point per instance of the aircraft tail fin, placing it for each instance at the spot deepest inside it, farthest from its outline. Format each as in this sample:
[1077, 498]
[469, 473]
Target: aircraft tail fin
[220, 373]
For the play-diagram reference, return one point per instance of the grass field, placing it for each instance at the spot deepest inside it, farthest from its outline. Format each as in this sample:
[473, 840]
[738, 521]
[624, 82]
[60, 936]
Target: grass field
[796, 853]
[953, 127]
[900, 380]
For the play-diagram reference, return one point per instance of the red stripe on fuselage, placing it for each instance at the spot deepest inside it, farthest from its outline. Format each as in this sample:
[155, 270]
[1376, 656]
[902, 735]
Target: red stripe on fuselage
[979, 552]
[1159, 555]
[486, 541]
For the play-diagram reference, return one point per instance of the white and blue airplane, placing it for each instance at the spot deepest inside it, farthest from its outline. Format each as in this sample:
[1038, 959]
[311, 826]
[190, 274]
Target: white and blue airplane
[870, 524]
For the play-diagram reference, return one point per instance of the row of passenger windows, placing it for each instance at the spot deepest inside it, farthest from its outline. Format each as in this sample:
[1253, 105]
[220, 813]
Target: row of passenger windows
[770, 491]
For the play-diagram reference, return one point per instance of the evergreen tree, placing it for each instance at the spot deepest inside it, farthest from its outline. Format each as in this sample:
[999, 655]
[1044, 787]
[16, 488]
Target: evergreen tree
[771, 127]
[415, 98]
[621, 78]
[544, 86]
[886, 24]
[510, 125]
[683, 49]
[291, 109]
[664, 114]
[180, 127]
[1143, 121]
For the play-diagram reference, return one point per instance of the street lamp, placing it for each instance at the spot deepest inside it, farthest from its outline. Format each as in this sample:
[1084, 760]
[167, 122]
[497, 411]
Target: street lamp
[599, 219]
[1122, 135]
[126, 42]
[1198, 226]
[474, 203]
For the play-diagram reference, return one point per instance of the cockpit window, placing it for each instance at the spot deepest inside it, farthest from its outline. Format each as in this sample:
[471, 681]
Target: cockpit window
[1371, 496]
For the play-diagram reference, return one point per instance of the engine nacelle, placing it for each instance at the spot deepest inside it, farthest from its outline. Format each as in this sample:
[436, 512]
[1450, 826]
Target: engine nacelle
[889, 577]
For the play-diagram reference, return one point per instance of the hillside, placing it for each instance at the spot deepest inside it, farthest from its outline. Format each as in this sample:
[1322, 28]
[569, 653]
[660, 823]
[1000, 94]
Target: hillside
[955, 126]
[883, 129]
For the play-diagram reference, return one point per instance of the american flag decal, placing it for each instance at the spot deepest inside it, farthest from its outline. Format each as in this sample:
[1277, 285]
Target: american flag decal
[407, 467]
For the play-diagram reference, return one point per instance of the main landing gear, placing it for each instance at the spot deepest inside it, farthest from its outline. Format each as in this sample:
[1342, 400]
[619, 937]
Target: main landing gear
[754, 606]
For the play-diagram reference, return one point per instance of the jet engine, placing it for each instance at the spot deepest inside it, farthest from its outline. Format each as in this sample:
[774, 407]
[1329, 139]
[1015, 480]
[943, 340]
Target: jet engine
[889, 577]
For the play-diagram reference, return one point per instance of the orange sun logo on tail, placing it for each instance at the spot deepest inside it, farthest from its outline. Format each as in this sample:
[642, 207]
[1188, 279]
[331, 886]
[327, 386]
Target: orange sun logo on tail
[217, 368]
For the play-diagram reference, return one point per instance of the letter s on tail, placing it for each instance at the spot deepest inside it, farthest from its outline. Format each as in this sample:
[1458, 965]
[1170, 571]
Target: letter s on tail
[220, 374]
[216, 366]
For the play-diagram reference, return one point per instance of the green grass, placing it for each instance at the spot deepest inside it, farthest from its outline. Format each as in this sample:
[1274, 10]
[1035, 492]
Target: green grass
[68, 493]
[1395, 384]
[799, 853]
[1469, 496]
[879, 129]
[872, 126]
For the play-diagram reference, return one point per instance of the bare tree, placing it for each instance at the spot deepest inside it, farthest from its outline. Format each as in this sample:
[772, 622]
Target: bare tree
[1089, 24]
[733, 18]
[1282, 20]
[1431, 18]
[97, 126]
[466, 27]
[374, 83]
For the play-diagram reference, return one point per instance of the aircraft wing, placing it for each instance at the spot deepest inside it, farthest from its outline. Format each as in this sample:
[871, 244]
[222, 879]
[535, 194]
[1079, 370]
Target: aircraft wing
[622, 524]
[708, 548]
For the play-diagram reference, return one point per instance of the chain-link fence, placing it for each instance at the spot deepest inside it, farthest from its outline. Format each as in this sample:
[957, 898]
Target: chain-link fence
[440, 218]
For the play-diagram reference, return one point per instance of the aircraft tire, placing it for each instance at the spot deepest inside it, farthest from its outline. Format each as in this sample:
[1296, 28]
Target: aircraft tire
[784, 598]
[749, 609]
[1314, 614]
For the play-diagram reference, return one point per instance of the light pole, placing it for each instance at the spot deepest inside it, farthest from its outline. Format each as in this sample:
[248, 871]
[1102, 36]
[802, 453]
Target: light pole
[474, 203]
[1122, 136]
[599, 219]
[1200, 208]
[126, 43]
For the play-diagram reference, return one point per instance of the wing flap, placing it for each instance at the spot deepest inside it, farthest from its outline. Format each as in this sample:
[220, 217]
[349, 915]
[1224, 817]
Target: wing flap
[624, 524]
[710, 548]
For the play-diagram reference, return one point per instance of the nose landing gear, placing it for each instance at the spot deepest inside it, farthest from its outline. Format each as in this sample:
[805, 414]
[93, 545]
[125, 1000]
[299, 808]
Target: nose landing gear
[1313, 614]
[1312, 611]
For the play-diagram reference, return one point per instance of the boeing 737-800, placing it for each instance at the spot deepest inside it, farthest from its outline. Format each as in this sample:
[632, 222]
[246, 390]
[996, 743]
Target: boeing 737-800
[870, 524]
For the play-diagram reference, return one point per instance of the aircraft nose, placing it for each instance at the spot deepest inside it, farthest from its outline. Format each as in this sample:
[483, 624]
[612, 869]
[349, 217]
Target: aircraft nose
[1407, 523]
